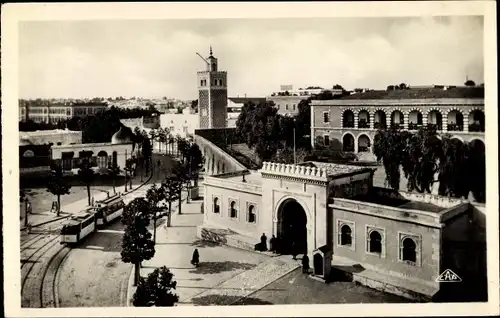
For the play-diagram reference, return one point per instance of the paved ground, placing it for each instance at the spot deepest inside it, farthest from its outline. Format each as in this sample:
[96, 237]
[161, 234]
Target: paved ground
[297, 288]
[174, 249]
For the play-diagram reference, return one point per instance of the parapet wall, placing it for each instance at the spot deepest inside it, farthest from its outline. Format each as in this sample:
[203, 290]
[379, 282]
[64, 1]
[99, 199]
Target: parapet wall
[313, 173]
[440, 201]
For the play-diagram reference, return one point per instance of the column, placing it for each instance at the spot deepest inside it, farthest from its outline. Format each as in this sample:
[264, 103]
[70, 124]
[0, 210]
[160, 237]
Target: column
[372, 120]
[444, 122]
[425, 117]
[356, 120]
[388, 119]
[466, 122]
[355, 145]
[406, 120]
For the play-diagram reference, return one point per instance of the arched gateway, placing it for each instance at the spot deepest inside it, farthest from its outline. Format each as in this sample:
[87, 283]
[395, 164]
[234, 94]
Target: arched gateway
[292, 227]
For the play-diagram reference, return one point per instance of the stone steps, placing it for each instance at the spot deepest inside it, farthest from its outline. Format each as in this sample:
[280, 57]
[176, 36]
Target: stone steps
[248, 282]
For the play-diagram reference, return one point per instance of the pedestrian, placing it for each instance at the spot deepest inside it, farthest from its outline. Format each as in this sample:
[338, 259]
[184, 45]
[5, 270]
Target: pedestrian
[294, 250]
[272, 244]
[263, 243]
[305, 264]
[195, 261]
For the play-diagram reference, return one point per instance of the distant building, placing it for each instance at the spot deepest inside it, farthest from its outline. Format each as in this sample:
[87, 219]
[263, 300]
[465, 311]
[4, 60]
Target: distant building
[212, 95]
[53, 112]
[234, 106]
[287, 101]
[34, 148]
[183, 124]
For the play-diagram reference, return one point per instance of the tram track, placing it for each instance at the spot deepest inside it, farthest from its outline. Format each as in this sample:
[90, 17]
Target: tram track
[41, 269]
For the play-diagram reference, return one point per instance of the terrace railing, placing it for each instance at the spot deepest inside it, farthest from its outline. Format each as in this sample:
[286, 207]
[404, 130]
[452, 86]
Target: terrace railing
[476, 128]
[455, 127]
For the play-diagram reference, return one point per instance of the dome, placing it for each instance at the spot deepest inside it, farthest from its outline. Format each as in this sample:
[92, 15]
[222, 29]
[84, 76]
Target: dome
[122, 136]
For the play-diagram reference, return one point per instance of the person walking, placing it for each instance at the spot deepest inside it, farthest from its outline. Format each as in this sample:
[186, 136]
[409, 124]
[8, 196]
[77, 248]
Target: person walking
[305, 264]
[195, 261]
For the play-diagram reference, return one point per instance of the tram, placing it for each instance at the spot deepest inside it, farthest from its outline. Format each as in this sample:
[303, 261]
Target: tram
[78, 227]
[109, 209]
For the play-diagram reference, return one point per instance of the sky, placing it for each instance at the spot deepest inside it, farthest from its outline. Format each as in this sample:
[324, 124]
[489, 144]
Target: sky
[156, 58]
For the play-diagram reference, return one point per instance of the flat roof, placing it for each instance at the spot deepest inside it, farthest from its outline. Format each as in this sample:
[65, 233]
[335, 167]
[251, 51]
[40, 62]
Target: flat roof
[252, 178]
[334, 169]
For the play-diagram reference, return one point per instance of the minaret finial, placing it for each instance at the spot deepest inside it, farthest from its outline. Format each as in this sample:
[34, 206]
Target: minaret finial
[210, 50]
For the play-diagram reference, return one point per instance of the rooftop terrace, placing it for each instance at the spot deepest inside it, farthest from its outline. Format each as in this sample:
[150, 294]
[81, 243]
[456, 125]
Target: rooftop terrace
[427, 93]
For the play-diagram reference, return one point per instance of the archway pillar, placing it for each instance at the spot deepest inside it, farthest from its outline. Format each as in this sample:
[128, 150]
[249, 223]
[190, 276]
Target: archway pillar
[356, 118]
[406, 120]
[444, 122]
[466, 123]
[372, 120]
[425, 119]
[388, 120]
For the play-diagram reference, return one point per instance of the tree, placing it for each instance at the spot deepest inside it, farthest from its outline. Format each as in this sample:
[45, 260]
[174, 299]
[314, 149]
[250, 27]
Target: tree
[195, 160]
[162, 135]
[170, 191]
[470, 83]
[156, 290]
[130, 163]
[426, 160]
[154, 196]
[403, 86]
[194, 104]
[57, 185]
[86, 175]
[259, 126]
[137, 244]
[114, 171]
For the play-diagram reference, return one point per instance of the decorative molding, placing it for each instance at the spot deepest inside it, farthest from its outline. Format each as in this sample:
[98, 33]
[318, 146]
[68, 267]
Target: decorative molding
[368, 230]
[352, 225]
[299, 172]
[256, 212]
[417, 238]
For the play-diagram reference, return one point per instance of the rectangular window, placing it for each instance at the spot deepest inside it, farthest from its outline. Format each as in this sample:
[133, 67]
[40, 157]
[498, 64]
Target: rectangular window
[326, 117]
[286, 107]
[327, 140]
[293, 107]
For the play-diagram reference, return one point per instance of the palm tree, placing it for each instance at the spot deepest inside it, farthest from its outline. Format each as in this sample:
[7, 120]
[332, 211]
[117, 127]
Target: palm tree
[113, 171]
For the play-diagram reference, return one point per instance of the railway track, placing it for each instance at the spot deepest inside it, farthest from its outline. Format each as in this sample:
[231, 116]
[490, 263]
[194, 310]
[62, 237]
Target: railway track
[40, 267]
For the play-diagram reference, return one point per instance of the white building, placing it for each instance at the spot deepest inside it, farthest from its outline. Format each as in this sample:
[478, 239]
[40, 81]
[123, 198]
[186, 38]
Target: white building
[181, 124]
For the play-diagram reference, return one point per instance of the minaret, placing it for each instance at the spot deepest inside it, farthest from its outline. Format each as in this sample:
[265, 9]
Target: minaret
[212, 95]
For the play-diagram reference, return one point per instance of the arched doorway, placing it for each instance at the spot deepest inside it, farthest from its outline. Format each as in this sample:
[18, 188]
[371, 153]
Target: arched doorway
[348, 119]
[364, 143]
[102, 159]
[292, 227]
[363, 119]
[348, 142]
[435, 120]
[380, 120]
[455, 121]
[476, 121]
[397, 119]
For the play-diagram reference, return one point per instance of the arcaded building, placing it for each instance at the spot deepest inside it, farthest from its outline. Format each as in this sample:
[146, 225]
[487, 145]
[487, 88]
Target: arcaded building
[350, 123]
[400, 241]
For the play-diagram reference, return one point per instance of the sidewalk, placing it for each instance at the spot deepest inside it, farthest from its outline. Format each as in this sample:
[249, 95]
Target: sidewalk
[222, 272]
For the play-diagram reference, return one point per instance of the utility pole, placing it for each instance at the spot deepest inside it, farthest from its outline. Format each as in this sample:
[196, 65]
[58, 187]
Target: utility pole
[26, 212]
[126, 170]
[294, 155]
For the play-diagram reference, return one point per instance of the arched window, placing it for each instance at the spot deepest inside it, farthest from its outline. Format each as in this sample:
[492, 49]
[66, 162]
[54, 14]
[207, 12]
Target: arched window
[216, 205]
[233, 213]
[375, 242]
[409, 250]
[346, 235]
[251, 214]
